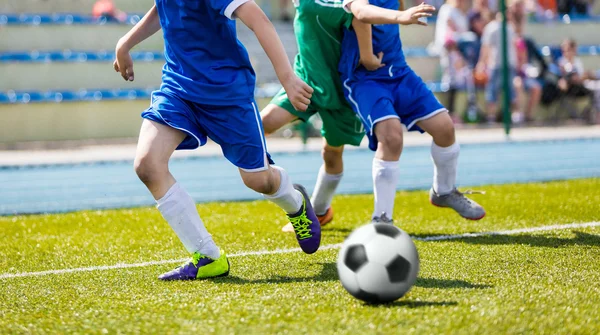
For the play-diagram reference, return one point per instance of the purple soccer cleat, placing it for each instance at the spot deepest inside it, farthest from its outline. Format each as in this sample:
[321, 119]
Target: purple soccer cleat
[199, 267]
[306, 224]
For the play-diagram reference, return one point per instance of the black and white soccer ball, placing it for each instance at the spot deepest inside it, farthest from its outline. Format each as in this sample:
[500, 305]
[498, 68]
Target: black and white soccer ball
[378, 263]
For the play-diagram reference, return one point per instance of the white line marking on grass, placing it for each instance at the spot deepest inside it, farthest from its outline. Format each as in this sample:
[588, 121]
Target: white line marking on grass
[293, 250]
[509, 232]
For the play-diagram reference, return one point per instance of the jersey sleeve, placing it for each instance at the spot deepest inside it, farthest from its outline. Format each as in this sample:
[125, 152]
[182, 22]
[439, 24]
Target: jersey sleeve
[227, 7]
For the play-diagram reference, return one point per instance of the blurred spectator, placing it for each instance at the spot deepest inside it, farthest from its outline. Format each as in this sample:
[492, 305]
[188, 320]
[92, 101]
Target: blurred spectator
[577, 7]
[526, 79]
[106, 9]
[546, 6]
[451, 22]
[490, 62]
[451, 25]
[572, 71]
[476, 24]
[481, 9]
[284, 7]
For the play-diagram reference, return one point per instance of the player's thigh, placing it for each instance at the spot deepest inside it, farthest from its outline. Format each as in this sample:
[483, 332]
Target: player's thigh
[274, 117]
[440, 127]
[156, 143]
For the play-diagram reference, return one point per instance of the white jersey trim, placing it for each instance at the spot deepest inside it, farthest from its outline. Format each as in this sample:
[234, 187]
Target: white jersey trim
[345, 5]
[235, 4]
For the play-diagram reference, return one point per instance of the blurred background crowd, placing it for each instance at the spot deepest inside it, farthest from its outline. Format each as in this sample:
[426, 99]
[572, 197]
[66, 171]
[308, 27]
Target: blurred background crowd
[468, 42]
[57, 82]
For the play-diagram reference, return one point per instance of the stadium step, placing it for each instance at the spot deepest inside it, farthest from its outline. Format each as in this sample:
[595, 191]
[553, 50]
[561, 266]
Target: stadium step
[94, 70]
[69, 6]
[53, 32]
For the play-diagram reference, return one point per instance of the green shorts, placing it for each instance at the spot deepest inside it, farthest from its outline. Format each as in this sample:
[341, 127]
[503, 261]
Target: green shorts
[340, 126]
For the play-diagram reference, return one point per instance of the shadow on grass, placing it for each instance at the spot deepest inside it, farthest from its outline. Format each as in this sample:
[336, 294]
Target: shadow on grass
[414, 304]
[546, 241]
[448, 283]
[329, 274]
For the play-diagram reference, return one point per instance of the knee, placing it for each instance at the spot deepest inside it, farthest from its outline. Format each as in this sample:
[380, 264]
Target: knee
[260, 182]
[445, 136]
[391, 141]
[148, 169]
[332, 156]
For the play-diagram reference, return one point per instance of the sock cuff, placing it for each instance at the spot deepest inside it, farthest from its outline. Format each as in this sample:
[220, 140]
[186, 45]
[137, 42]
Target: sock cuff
[174, 189]
[330, 176]
[283, 181]
[386, 164]
[445, 150]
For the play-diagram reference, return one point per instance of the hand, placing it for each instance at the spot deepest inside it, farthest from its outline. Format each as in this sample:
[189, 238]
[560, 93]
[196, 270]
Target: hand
[373, 62]
[123, 63]
[413, 14]
[298, 92]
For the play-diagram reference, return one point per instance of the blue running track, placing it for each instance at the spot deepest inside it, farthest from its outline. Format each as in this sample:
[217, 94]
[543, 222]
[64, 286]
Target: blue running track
[63, 188]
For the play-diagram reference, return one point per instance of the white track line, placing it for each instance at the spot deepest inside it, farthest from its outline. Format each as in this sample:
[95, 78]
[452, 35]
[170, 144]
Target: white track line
[292, 250]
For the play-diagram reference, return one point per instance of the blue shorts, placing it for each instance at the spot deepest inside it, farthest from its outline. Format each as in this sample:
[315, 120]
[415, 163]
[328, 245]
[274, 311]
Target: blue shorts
[494, 86]
[237, 129]
[404, 97]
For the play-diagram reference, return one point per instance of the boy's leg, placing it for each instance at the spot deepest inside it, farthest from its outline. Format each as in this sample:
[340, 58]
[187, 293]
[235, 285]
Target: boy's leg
[386, 168]
[328, 179]
[276, 186]
[341, 127]
[372, 102]
[274, 117]
[241, 137]
[156, 144]
[444, 153]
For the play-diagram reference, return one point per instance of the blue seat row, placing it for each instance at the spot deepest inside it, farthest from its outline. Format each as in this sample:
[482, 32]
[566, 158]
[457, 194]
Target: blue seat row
[60, 18]
[149, 56]
[74, 18]
[26, 97]
[74, 56]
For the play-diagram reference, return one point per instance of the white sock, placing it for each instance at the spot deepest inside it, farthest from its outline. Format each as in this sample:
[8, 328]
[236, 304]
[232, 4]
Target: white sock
[385, 180]
[445, 161]
[324, 190]
[179, 209]
[286, 197]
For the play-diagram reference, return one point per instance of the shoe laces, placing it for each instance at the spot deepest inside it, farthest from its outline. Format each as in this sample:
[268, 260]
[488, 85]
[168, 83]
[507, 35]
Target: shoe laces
[463, 199]
[301, 225]
[382, 219]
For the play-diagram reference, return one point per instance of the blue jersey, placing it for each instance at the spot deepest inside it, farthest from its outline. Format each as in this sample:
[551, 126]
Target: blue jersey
[386, 39]
[205, 62]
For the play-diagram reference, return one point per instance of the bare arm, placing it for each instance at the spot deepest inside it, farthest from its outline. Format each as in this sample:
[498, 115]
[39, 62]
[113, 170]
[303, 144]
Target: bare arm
[147, 27]
[252, 16]
[365, 45]
[367, 13]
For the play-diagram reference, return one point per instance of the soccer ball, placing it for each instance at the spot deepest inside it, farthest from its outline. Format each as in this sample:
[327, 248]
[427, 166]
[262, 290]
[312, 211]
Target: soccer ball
[378, 263]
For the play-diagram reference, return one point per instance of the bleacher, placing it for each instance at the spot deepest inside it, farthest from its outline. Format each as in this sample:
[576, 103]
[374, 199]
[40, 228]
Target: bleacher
[57, 68]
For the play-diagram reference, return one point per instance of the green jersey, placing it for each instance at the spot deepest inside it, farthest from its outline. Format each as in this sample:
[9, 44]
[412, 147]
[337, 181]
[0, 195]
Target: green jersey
[319, 28]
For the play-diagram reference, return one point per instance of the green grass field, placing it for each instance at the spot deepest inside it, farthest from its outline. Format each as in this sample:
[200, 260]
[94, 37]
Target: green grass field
[533, 282]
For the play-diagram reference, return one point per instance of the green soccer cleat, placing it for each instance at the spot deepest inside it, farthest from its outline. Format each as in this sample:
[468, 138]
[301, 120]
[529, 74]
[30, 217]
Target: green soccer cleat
[199, 267]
